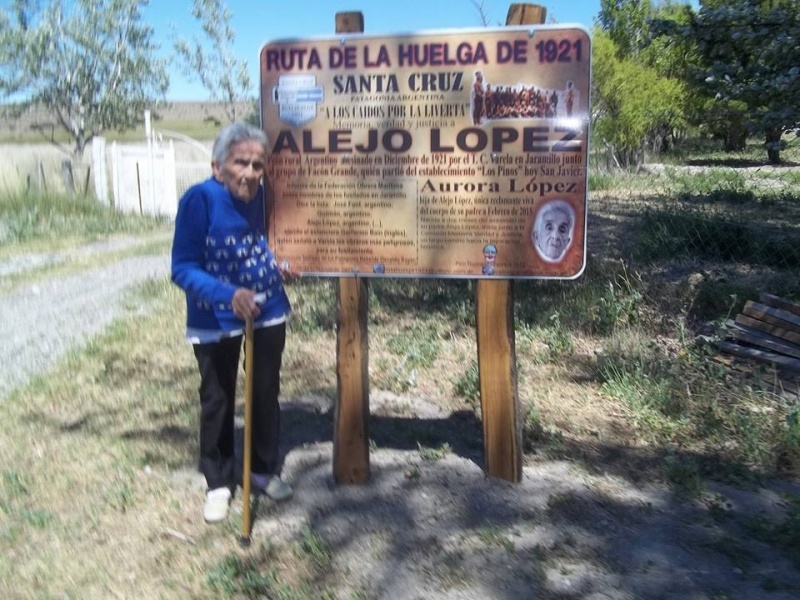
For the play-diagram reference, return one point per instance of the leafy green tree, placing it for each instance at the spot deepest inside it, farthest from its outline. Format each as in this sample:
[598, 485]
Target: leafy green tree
[748, 61]
[764, 4]
[220, 72]
[90, 62]
[633, 105]
[625, 23]
[674, 56]
[670, 57]
[638, 97]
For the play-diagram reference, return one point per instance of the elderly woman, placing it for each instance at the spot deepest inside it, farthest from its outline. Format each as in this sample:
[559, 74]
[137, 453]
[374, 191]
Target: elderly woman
[220, 258]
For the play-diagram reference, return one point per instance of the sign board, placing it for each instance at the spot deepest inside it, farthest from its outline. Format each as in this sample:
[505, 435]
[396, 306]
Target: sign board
[460, 153]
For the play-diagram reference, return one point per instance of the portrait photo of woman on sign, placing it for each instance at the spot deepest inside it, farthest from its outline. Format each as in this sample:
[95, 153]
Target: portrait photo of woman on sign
[553, 230]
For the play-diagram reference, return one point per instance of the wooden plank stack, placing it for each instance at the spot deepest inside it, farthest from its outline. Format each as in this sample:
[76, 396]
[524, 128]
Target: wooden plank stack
[767, 331]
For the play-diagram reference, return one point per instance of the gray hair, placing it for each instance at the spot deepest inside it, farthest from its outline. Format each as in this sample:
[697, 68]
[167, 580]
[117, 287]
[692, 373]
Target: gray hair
[555, 206]
[233, 134]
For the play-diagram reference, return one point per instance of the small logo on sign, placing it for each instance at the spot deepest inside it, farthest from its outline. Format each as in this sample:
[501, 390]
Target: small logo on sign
[297, 97]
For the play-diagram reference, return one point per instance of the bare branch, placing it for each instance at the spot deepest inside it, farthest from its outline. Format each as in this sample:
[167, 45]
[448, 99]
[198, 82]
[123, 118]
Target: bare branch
[212, 61]
[479, 6]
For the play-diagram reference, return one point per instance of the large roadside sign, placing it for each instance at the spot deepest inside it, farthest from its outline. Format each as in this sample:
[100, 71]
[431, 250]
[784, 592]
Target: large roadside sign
[458, 153]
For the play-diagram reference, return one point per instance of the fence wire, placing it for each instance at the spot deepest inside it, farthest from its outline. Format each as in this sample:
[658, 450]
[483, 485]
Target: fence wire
[188, 174]
[733, 209]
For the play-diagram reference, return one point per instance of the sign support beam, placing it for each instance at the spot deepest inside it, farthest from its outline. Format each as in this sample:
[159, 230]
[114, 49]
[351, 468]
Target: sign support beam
[351, 424]
[497, 358]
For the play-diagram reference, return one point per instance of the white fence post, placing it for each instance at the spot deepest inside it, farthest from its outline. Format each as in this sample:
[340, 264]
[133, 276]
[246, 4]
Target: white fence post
[145, 177]
[115, 159]
[99, 167]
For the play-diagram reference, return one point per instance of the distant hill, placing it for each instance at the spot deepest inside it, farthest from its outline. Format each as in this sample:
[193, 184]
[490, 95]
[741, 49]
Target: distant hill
[38, 119]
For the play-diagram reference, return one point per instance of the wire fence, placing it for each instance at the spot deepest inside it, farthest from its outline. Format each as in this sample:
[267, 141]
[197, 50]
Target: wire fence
[732, 208]
[189, 173]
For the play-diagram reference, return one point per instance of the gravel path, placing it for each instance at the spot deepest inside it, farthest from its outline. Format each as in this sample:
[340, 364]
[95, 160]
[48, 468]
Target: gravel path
[41, 321]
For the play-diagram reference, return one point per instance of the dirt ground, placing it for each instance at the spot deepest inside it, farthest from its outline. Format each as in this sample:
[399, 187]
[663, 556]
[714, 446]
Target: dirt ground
[431, 525]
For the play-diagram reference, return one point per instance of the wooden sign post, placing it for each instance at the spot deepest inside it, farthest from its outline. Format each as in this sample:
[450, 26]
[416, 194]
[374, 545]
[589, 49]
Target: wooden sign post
[351, 420]
[497, 360]
[448, 178]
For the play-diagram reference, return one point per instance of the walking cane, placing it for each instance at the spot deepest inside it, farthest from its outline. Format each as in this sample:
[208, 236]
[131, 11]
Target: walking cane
[249, 373]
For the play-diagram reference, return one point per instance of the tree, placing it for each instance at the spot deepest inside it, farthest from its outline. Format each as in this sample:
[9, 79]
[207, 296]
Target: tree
[748, 61]
[625, 23]
[670, 57]
[90, 62]
[223, 75]
[632, 104]
[638, 97]
[675, 56]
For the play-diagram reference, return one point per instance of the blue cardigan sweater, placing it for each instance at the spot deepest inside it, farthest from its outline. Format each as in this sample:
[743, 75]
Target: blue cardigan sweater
[220, 244]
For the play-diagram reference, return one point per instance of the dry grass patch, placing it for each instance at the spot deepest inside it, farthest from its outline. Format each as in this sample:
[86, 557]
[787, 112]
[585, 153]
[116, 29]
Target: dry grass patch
[99, 492]
[103, 434]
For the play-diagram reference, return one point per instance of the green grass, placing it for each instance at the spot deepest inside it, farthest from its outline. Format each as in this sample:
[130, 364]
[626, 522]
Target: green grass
[415, 348]
[452, 299]
[609, 295]
[419, 344]
[655, 403]
[467, 385]
[684, 474]
[493, 536]
[684, 399]
[314, 310]
[66, 263]
[433, 454]
[21, 507]
[54, 225]
[600, 181]
[34, 221]
[254, 577]
[533, 431]
[669, 233]
[264, 572]
[316, 549]
[558, 339]
[708, 151]
[714, 181]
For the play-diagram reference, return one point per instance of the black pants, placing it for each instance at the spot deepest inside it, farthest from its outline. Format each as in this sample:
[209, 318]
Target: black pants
[219, 366]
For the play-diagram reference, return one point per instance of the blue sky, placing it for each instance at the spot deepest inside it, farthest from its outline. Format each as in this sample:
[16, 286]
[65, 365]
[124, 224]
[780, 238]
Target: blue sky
[256, 23]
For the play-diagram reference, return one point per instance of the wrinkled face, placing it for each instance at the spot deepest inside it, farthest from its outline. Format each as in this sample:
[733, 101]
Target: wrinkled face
[553, 234]
[242, 171]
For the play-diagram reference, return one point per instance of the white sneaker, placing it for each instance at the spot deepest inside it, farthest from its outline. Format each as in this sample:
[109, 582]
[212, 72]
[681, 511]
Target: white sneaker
[216, 507]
